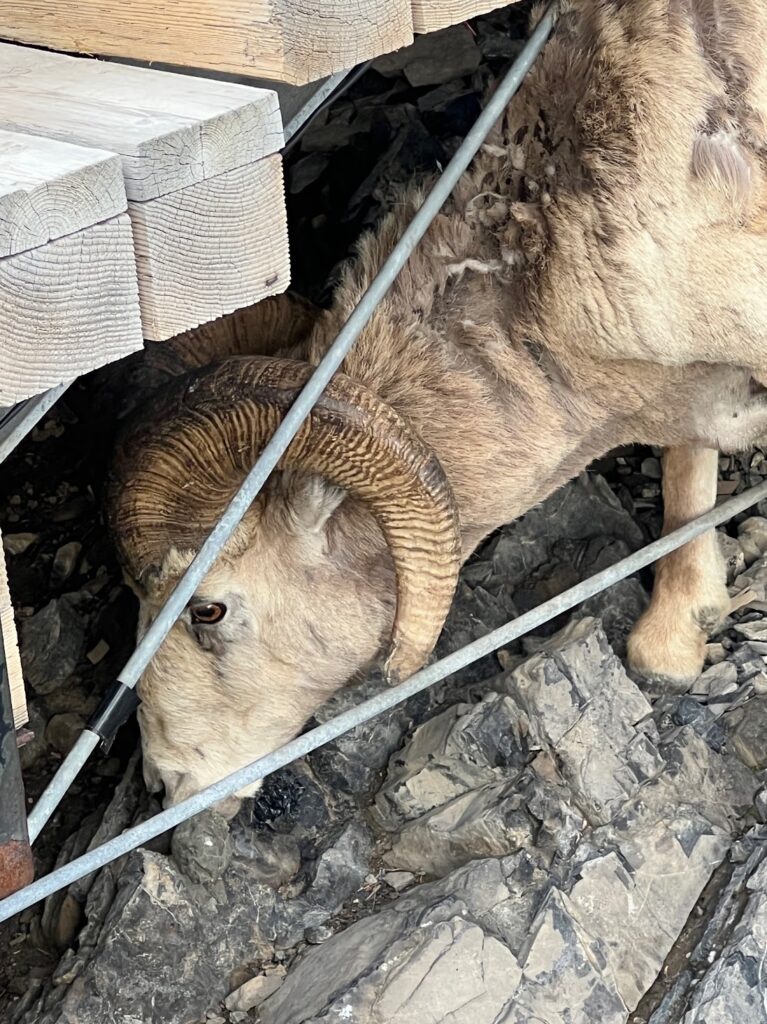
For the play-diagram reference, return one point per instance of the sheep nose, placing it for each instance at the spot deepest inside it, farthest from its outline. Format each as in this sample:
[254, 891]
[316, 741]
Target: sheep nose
[177, 787]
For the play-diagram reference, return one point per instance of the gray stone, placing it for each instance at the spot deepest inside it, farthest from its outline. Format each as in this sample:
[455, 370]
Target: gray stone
[715, 653]
[458, 750]
[433, 58]
[18, 543]
[353, 763]
[752, 630]
[755, 530]
[440, 955]
[65, 561]
[580, 703]
[399, 880]
[255, 991]
[315, 934]
[201, 846]
[733, 555]
[733, 989]
[651, 468]
[52, 642]
[720, 678]
[63, 730]
[562, 979]
[584, 510]
[749, 737]
[274, 859]
[417, 960]
[339, 870]
[163, 954]
[485, 822]
[618, 610]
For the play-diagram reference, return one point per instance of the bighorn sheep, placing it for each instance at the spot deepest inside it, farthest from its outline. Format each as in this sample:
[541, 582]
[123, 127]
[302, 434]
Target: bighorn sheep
[597, 278]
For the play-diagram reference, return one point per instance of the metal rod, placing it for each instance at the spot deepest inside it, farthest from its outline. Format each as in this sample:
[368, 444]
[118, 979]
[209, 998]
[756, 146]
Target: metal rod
[297, 122]
[302, 407]
[16, 864]
[368, 709]
[17, 421]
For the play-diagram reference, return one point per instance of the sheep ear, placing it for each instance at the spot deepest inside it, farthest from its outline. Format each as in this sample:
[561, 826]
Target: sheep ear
[311, 500]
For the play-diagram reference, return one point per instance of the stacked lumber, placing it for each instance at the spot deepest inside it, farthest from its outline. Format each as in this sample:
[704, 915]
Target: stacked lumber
[68, 294]
[430, 15]
[10, 648]
[201, 171]
[293, 41]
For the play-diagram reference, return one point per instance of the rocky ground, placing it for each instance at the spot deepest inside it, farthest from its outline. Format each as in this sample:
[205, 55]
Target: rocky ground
[534, 840]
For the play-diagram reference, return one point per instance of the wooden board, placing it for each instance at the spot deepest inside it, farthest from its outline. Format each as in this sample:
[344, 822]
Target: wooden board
[211, 248]
[288, 40]
[11, 648]
[195, 153]
[430, 15]
[49, 189]
[67, 307]
[170, 130]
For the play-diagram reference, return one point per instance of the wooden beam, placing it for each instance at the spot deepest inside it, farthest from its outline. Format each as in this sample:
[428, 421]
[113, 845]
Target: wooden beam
[68, 289]
[170, 130]
[202, 249]
[49, 189]
[11, 648]
[289, 40]
[67, 307]
[430, 15]
[201, 170]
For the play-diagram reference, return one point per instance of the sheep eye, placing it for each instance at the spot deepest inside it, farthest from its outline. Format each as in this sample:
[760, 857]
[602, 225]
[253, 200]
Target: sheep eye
[207, 614]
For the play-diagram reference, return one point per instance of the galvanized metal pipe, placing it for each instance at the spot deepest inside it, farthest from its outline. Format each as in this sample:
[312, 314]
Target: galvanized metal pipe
[16, 421]
[301, 409]
[311, 107]
[368, 709]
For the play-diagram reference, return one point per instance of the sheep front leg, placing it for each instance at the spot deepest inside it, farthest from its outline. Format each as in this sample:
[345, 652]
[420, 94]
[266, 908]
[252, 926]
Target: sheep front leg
[689, 599]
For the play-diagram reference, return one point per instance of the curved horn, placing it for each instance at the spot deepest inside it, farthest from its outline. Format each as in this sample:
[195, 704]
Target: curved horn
[274, 323]
[178, 468]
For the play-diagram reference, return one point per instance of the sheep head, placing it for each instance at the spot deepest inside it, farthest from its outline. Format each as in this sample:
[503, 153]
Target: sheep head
[355, 541]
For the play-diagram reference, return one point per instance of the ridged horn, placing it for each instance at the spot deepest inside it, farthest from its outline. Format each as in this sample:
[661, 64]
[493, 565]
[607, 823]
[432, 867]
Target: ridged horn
[178, 467]
[274, 323]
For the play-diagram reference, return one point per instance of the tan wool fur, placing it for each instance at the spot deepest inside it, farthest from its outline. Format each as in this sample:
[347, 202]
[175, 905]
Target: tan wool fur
[597, 278]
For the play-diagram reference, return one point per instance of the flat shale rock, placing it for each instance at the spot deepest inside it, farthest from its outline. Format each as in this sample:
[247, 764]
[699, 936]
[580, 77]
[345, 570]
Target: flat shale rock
[560, 529]
[580, 931]
[167, 947]
[353, 763]
[618, 610]
[201, 846]
[733, 990]
[488, 821]
[422, 959]
[52, 642]
[749, 736]
[580, 703]
[433, 58]
[456, 751]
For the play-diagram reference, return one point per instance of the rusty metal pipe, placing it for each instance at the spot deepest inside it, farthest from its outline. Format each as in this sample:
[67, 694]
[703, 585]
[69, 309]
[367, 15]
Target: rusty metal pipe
[16, 862]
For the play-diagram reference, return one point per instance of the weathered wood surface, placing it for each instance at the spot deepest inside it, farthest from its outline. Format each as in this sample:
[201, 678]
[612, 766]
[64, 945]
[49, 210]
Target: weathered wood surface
[67, 307]
[170, 130]
[11, 648]
[49, 189]
[430, 15]
[288, 40]
[203, 180]
[211, 248]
